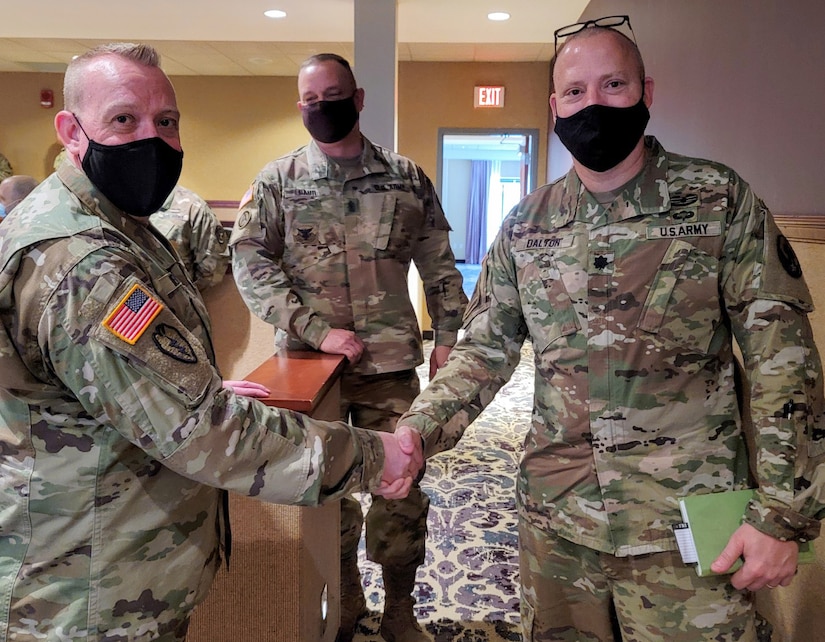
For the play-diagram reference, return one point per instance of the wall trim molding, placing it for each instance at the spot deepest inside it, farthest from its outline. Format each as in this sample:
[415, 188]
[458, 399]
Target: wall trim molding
[805, 228]
[226, 211]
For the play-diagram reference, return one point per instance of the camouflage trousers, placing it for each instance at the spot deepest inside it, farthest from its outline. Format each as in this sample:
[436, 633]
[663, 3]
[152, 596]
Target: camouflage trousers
[395, 529]
[571, 592]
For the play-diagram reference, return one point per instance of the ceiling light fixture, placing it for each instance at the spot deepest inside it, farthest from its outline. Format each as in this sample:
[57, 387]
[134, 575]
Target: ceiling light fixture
[275, 13]
[498, 16]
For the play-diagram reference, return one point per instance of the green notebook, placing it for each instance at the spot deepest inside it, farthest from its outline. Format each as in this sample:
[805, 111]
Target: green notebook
[708, 521]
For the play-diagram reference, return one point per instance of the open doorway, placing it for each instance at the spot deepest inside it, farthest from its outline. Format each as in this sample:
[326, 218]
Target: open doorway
[482, 174]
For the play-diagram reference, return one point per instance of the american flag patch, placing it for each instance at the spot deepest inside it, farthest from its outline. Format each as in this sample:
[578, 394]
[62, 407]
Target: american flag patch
[133, 314]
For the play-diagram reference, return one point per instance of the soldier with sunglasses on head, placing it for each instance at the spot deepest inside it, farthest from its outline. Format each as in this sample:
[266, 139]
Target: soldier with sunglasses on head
[633, 277]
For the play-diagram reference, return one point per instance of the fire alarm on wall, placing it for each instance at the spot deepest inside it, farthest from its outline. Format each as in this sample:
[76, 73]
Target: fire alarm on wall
[46, 98]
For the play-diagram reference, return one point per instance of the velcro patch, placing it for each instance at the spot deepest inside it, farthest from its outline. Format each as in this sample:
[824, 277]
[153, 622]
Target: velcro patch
[544, 242]
[246, 198]
[132, 314]
[711, 228]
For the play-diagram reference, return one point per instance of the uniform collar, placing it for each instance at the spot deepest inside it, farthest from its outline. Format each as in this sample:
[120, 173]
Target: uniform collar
[321, 166]
[96, 204]
[646, 194]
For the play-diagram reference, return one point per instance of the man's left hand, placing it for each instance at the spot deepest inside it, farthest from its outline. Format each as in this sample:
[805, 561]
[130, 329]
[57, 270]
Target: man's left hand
[247, 388]
[769, 562]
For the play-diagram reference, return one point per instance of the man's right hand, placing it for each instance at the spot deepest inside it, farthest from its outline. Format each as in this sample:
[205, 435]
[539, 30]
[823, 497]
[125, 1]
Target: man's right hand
[403, 461]
[343, 342]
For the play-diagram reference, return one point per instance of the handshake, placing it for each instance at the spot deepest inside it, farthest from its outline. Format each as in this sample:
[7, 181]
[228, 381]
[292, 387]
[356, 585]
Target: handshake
[403, 462]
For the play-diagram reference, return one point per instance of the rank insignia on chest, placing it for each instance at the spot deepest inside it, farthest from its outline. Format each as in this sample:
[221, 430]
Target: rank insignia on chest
[306, 235]
[133, 314]
[603, 262]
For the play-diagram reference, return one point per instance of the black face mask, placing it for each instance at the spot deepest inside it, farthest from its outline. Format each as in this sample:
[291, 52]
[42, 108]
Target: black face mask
[329, 121]
[138, 176]
[601, 137]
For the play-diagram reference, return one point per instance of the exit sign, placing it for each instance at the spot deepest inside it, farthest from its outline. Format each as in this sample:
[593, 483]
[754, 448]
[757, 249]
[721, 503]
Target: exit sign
[488, 97]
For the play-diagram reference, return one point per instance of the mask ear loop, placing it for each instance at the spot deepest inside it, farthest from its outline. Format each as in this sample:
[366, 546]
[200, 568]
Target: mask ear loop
[77, 120]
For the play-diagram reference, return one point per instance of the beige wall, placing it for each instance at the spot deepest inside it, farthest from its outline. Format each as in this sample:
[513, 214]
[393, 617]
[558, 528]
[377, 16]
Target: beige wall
[741, 83]
[440, 94]
[27, 135]
[231, 127]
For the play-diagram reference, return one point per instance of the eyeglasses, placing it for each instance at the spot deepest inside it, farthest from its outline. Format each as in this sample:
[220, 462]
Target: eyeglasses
[608, 22]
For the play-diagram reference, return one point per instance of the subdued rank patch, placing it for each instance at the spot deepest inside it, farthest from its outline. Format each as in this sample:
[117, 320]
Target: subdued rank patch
[171, 342]
[787, 257]
[306, 235]
[132, 314]
[601, 262]
[711, 228]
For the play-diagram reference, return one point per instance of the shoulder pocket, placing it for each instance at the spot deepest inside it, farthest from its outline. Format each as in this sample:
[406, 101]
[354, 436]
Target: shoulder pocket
[138, 326]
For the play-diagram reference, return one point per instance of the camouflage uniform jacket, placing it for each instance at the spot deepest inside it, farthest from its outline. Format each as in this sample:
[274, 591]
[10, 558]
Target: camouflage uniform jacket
[196, 234]
[116, 432]
[318, 247]
[631, 310]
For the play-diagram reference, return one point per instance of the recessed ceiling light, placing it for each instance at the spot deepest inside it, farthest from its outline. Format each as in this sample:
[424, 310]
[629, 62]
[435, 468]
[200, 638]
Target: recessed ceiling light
[275, 13]
[498, 16]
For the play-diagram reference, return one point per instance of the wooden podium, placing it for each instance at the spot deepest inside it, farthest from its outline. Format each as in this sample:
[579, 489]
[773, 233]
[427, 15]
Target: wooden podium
[284, 579]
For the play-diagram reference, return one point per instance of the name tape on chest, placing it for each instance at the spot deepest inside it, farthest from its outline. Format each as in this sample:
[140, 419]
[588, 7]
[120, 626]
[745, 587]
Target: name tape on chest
[711, 228]
[132, 314]
[545, 242]
[301, 193]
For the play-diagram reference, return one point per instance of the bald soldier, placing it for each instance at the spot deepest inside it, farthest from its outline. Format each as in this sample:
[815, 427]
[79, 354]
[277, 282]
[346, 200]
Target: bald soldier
[118, 437]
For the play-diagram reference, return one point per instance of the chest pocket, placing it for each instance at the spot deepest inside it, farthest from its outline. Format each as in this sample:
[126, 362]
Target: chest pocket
[548, 309]
[396, 217]
[682, 306]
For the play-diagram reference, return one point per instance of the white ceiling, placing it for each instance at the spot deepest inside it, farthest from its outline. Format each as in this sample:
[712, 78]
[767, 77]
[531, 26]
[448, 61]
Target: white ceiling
[226, 38]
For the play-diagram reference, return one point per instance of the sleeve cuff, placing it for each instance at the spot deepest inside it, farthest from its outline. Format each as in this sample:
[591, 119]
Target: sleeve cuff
[445, 337]
[372, 449]
[782, 523]
[316, 331]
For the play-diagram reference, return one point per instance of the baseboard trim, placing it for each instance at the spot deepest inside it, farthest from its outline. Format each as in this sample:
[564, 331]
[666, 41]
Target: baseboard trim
[804, 228]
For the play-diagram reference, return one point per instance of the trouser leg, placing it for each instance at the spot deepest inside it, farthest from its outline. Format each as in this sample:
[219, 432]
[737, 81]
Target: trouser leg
[569, 592]
[395, 529]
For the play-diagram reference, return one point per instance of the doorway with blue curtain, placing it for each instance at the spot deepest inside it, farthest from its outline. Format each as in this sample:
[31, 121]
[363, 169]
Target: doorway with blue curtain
[482, 174]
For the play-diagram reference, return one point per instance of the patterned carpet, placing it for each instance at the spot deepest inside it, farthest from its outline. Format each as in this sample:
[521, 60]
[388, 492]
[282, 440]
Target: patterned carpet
[467, 589]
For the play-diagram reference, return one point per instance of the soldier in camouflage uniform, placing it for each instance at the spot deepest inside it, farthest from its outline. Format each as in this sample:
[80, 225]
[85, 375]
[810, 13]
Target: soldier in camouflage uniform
[632, 276]
[321, 250]
[117, 434]
[197, 235]
[5, 167]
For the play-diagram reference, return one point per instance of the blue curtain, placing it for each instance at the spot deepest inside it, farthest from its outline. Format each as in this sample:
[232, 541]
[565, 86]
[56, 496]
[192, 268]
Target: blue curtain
[476, 240]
